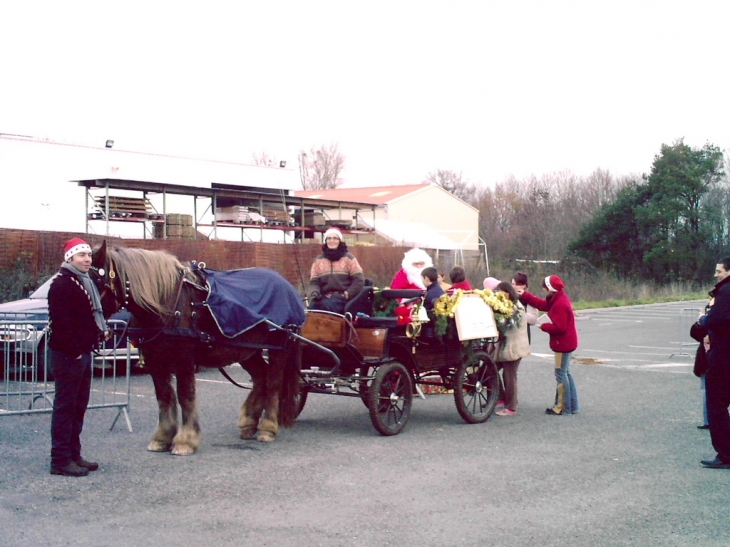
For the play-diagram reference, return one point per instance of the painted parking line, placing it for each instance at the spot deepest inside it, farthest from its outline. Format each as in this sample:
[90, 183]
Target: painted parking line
[663, 354]
[644, 368]
[662, 347]
[628, 319]
[663, 315]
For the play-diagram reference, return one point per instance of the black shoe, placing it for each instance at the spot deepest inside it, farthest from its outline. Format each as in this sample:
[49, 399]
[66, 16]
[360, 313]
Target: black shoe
[703, 426]
[91, 466]
[551, 412]
[70, 470]
[717, 463]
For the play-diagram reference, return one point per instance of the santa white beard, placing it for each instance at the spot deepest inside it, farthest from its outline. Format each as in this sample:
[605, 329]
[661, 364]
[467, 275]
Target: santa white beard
[414, 276]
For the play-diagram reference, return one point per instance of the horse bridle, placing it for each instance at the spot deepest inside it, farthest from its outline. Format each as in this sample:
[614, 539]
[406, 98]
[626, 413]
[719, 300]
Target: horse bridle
[109, 281]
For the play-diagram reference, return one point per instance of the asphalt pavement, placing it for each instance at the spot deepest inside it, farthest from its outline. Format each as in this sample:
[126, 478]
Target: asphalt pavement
[625, 471]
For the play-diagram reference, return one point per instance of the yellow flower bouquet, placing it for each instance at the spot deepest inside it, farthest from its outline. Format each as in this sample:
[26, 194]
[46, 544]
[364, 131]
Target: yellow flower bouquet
[502, 306]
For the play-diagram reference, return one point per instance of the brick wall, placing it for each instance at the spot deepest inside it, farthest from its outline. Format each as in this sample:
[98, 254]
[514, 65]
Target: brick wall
[43, 252]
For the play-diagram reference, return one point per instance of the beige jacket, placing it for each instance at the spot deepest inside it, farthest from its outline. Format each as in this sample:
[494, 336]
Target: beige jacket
[515, 344]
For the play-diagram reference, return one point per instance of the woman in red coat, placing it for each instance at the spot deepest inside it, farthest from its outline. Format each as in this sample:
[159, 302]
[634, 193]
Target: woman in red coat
[563, 340]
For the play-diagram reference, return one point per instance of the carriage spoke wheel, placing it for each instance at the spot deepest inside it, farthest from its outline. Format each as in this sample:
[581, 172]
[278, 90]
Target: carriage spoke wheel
[301, 399]
[389, 398]
[476, 388]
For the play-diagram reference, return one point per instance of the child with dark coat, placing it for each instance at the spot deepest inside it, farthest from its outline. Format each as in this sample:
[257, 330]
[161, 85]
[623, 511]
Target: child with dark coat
[433, 288]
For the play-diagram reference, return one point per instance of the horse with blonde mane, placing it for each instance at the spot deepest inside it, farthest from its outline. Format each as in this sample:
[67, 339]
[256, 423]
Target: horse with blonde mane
[176, 332]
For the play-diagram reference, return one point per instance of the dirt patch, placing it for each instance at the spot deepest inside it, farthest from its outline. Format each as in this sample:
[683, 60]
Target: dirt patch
[587, 361]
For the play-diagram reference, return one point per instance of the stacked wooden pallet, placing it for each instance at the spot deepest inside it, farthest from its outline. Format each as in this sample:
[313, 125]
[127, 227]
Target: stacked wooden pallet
[122, 208]
[277, 217]
[238, 214]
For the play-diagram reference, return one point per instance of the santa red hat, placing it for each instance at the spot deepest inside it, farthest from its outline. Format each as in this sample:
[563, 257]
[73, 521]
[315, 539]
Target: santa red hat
[74, 246]
[553, 283]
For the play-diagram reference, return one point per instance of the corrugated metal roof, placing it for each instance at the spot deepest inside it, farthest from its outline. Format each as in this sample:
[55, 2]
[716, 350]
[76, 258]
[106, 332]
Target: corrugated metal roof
[377, 195]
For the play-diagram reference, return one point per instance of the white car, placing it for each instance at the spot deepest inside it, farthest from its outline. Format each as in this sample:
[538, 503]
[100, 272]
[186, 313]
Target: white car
[23, 330]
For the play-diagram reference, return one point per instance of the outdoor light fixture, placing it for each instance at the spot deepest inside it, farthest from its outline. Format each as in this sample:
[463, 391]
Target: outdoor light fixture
[109, 143]
[282, 164]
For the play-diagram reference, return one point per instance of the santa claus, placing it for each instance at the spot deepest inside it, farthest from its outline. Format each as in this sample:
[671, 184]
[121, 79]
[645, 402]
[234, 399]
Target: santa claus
[409, 277]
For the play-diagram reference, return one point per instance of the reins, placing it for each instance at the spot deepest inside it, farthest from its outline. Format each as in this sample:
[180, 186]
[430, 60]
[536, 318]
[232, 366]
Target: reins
[173, 317]
[227, 377]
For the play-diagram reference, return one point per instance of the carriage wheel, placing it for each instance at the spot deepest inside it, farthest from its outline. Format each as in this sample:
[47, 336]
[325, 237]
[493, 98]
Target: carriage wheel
[389, 398]
[364, 386]
[301, 399]
[476, 388]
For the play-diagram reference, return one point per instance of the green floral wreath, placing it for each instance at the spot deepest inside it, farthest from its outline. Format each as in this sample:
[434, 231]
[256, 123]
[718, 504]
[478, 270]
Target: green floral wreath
[383, 307]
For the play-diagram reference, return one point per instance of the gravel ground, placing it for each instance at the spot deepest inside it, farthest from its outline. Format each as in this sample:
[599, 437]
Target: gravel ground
[625, 471]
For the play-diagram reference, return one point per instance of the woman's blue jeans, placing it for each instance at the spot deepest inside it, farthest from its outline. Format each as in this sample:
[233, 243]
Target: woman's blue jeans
[566, 395]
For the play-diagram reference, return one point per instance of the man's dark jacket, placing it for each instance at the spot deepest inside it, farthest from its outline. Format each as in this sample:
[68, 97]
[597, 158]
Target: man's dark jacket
[73, 328]
[717, 322]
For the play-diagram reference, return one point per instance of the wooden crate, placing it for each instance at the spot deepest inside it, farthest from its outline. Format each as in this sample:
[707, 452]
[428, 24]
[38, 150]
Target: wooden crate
[313, 219]
[180, 231]
[177, 219]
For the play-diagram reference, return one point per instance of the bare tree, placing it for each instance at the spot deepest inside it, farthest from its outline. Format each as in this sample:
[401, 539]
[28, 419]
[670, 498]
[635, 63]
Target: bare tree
[537, 218]
[320, 168]
[262, 158]
[453, 183]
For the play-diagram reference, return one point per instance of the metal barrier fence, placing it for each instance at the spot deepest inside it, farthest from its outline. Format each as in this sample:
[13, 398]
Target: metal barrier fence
[27, 379]
[687, 316]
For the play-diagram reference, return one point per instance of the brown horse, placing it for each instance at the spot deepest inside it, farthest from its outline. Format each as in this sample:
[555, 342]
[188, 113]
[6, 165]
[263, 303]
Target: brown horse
[177, 333]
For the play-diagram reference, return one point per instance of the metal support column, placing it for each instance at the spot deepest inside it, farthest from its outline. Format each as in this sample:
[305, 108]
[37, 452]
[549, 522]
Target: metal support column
[106, 207]
[215, 216]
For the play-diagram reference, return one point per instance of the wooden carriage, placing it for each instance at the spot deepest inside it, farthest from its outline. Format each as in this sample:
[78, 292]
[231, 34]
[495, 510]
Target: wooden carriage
[384, 360]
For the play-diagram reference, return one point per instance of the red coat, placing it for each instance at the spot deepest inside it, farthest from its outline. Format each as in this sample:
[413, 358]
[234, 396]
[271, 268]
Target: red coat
[562, 331]
[401, 281]
[463, 285]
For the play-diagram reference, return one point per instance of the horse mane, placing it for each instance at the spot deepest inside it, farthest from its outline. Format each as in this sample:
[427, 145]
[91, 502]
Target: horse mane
[153, 277]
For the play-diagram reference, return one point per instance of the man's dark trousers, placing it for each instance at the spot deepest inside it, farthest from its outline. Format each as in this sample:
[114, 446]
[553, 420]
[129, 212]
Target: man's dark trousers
[73, 388]
[717, 385]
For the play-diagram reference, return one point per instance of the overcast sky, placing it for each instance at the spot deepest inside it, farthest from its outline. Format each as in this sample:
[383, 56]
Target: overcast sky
[484, 88]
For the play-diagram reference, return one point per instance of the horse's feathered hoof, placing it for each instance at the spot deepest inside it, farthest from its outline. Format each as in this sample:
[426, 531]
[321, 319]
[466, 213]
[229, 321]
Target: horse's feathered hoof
[266, 437]
[248, 432]
[183, 450]
[157, 446]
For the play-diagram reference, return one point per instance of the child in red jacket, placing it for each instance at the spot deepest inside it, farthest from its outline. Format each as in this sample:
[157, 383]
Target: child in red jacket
[563, 340]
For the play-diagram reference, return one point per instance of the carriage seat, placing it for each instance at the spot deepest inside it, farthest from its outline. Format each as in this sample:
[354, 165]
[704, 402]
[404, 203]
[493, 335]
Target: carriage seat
[376, 322]
[384, 322]
[363, 301]
[363, 304]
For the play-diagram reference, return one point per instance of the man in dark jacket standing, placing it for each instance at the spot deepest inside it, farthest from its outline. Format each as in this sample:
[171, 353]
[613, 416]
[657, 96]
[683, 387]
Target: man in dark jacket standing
[717, 377]
[76, 324]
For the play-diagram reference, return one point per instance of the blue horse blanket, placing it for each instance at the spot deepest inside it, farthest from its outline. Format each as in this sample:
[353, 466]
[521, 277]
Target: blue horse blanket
[241, 299]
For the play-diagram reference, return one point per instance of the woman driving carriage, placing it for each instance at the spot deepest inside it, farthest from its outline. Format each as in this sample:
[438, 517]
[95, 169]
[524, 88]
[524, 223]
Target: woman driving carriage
[336, 275]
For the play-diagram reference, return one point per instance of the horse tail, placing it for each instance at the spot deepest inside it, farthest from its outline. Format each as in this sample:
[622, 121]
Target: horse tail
[290, 385]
